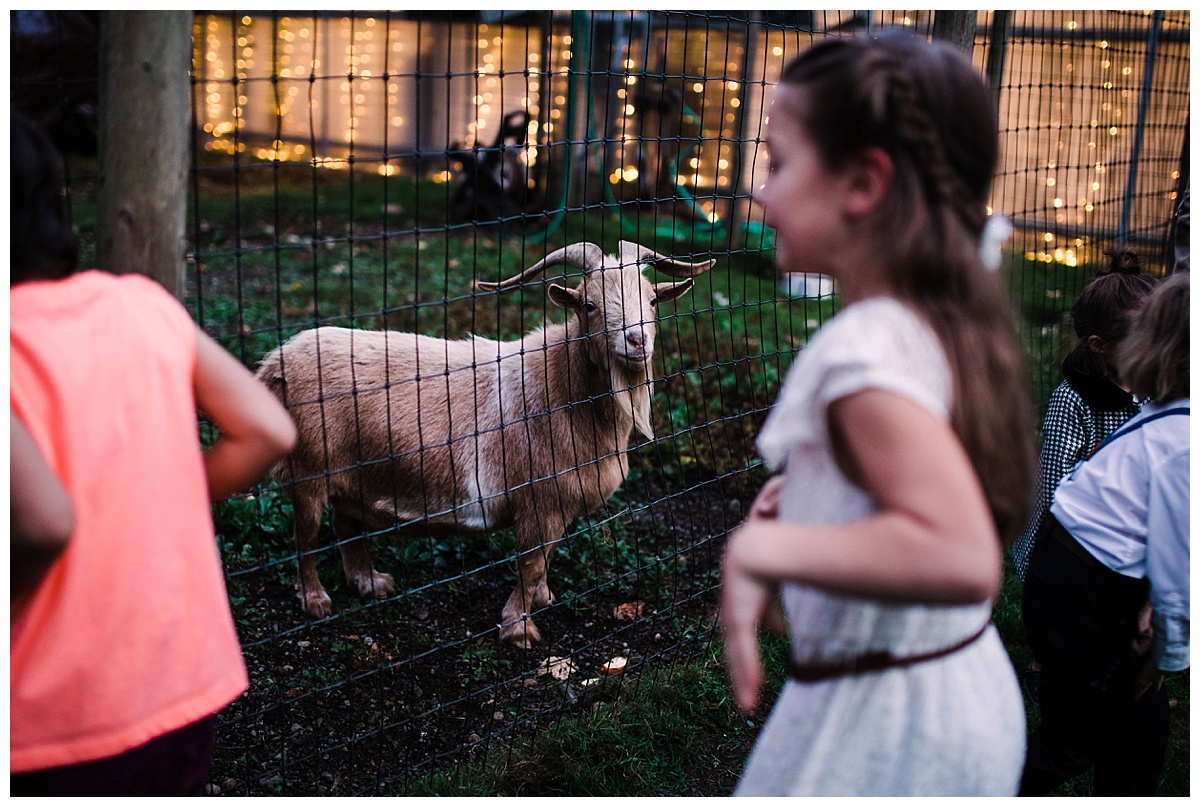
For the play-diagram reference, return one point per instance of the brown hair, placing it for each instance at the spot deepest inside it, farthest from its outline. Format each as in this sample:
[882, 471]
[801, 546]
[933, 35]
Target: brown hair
[928, 108]
[1155, 357]
[1105, 308]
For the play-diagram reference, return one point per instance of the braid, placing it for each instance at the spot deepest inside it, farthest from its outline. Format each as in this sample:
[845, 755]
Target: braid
[915, 128]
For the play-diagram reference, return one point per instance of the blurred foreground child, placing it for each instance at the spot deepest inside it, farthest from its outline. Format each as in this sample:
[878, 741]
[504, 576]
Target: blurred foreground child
[123, 649]
[902, 438]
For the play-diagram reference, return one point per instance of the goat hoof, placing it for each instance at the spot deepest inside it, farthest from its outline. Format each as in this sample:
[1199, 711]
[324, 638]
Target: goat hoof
[317, 605]
[377, 585]
[521, 633]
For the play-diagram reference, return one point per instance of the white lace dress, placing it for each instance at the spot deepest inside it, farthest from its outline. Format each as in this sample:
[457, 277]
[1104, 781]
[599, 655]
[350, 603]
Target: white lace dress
[953, 726]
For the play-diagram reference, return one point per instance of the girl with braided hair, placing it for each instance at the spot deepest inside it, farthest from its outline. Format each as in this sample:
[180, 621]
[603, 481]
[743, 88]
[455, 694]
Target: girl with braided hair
[902, 440]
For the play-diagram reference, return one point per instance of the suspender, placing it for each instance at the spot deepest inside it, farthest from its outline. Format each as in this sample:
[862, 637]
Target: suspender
[1179, 410]
[1132, 427]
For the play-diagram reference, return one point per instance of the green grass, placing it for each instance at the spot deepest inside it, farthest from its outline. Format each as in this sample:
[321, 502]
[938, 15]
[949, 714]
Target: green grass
[671, 732]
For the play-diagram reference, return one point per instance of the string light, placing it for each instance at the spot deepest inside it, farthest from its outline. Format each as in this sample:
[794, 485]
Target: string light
[364, 110]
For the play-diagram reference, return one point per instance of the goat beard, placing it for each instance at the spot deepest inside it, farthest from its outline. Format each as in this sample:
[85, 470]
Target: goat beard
[632, 389]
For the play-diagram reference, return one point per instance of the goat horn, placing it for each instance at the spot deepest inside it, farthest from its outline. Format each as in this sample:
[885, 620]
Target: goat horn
[662, 263]
[584, 255]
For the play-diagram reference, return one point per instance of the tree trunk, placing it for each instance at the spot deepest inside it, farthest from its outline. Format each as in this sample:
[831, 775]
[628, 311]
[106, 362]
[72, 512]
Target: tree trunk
[145, 57]
[956, 27]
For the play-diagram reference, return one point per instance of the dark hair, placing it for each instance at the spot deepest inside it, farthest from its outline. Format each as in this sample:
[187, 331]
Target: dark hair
[43, 244]
[1104, 310]
[1155, 357]
[926, 105]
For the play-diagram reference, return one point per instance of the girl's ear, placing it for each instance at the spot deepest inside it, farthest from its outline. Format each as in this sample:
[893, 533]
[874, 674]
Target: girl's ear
[870, 180]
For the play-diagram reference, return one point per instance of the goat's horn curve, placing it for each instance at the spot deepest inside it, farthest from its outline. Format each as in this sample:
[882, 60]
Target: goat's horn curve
[583, 255]
[670, 266]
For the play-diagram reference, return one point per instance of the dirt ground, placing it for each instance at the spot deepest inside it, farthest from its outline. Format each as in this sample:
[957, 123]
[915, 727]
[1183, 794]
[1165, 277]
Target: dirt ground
[384, 692]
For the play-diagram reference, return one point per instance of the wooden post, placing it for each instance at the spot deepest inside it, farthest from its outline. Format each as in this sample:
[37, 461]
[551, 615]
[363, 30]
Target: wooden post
[997, 50]
[956, 27]
[143, 143]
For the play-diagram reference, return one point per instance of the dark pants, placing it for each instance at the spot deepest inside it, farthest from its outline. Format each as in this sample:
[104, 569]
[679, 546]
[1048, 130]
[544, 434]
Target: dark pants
[175, 764]
[1081, 618]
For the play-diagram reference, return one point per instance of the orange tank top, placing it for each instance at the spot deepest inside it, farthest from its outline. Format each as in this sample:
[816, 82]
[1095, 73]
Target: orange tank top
[130, 635]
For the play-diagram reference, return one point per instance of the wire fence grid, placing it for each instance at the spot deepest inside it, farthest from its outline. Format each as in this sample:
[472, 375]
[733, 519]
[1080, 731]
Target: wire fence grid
[364, 170]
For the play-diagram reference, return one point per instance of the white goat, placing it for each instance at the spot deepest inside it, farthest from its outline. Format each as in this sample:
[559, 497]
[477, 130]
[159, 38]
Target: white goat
[397, 428]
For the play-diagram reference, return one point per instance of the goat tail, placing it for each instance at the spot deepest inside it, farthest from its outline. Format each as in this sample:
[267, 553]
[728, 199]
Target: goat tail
[270, 373]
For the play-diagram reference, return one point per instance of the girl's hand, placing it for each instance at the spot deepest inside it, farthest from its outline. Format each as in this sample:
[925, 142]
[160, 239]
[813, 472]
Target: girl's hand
[746, 601]
[766, 503]
[1145, 634]
[1149, 677]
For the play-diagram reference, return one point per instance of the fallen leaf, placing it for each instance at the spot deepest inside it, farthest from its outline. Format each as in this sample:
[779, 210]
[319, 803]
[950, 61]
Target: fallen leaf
[558, 667]
[629, 610]
[614, 665]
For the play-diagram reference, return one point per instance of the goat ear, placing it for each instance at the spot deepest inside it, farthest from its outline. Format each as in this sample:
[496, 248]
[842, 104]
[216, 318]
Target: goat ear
[563, 297]
[669, 291]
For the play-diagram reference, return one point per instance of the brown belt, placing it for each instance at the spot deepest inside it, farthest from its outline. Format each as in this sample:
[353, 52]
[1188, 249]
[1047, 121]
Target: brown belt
[809, 672]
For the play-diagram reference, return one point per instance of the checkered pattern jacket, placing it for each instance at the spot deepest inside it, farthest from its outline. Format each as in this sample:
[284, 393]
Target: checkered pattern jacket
[1079, 416]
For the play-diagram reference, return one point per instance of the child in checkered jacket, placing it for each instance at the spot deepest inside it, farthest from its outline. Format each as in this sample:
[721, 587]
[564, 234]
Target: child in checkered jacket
[1090, 403]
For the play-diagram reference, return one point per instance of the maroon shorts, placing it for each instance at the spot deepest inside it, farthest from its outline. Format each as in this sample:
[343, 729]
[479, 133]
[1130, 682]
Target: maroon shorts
[175, 764]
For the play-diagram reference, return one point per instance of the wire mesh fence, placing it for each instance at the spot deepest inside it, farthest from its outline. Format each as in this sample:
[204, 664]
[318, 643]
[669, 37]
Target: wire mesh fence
[365, 171]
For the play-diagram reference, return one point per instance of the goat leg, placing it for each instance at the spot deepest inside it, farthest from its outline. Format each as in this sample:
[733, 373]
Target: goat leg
[308, 521]
[531, 592]
[356, 558]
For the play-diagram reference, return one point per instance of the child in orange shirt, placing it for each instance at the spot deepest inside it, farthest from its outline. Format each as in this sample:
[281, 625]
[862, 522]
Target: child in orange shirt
[123, 648]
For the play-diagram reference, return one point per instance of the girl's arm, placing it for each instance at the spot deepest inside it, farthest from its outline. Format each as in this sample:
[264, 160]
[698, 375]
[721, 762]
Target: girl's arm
[932, 541]
[1168, 559]
[256, 431]
[42, 516]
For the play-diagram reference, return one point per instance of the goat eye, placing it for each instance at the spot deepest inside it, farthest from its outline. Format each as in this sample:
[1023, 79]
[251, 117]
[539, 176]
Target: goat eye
[589, 306]
[653, 301]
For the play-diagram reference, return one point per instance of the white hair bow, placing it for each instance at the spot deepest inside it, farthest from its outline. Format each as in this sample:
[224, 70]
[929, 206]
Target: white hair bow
[996, 231]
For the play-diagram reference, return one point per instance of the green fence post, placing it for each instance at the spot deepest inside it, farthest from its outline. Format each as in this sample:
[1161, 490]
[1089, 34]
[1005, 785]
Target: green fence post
[1135, 151]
